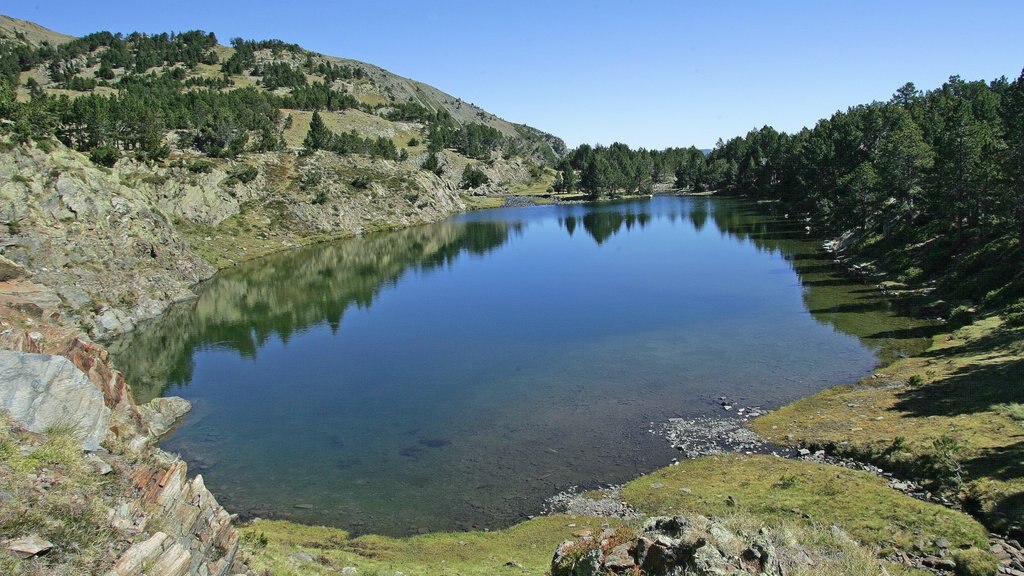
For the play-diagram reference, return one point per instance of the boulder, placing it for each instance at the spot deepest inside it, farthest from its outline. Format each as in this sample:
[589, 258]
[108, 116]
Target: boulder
[161, 414]
[160, 555]
[42, 391]
[577, 558]
[10, 270]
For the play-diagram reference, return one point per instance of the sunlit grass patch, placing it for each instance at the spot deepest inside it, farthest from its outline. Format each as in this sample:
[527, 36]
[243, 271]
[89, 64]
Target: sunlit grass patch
[777, 490]
[963, 392]
[288, 548]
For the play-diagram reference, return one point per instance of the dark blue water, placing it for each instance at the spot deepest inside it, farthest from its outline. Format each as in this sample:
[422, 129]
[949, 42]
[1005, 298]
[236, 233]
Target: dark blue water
[453, 376]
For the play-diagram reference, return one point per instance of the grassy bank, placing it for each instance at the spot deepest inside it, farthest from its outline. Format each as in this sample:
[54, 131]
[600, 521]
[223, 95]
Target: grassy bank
[824, 519]
[952, 415]
[526, 548]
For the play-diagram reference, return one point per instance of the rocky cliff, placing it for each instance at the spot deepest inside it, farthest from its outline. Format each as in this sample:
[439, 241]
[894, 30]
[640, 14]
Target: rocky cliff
[125, 507]
[118, 245]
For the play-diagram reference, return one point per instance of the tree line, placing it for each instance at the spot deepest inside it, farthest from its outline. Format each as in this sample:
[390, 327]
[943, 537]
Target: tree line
[932, 178]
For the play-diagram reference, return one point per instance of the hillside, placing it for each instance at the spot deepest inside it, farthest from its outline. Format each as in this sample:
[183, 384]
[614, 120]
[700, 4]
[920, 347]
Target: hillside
[136, 165]
[13, 29]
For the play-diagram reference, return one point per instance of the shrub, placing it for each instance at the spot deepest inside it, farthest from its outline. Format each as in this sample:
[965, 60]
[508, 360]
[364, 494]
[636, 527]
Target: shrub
[201, 167]
[945, 463]
[473, 177]
[912, 274]
[1013, 410]
[432, 164]
[45, 144]
[310, 179]
[1013, 315]
[961, 316]
[105, 155]
[155, 179]
[361, 182]
[243, 173]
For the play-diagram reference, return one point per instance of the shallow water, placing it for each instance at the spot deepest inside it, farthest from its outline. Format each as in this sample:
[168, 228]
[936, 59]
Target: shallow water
[453, 376]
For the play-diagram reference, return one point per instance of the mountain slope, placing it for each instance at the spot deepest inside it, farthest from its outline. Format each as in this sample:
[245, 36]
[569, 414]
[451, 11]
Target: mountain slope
[136, 165]
[30, 32]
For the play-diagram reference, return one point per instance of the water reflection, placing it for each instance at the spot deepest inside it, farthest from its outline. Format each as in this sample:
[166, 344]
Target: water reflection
[241, 308]
[455, 375]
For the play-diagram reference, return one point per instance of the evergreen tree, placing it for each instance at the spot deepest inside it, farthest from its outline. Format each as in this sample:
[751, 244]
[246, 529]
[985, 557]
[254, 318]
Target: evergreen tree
[319, 136]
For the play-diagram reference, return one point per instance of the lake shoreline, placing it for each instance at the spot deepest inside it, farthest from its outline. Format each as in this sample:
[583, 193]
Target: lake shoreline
[784, 407]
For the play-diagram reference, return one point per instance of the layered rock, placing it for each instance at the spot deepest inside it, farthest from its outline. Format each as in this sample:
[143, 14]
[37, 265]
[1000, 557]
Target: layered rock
[201, 539]
[74, 385]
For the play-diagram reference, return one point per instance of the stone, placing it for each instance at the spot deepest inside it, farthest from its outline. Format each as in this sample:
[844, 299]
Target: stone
[349, 571]
[162, 414]
[514, 564]
[942, 543]
[98, 464]
[671, 525]
[619, 559]
[10, 270]
[938, 563]
[659, 556]
[723, 538]
[141, 554]
[304, 557]
[707, 559]
[29, 546]
[41, 391]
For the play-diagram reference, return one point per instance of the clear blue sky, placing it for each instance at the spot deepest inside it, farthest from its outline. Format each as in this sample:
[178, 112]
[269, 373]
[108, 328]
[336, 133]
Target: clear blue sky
[652, 74]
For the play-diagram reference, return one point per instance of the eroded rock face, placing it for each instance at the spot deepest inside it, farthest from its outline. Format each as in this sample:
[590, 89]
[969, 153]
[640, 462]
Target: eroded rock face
[199, 528]
[196, 536]
[42, 391]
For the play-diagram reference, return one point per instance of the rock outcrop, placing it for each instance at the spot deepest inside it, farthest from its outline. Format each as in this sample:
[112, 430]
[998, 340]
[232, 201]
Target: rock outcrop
[668, 547]
[201, 538]
[171, 524]
[41, 392]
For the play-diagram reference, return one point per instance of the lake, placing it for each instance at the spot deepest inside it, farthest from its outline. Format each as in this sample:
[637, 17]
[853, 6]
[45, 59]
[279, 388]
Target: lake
[453, 376]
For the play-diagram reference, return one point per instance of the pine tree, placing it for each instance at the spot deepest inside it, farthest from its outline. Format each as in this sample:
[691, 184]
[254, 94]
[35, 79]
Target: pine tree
[319, 136]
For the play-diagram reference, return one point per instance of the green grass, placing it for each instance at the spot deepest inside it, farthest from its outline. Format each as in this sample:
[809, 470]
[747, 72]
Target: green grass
[540, 186]
[779, 491]
[962, 392]
[1013, 411]
[482, 202]
[530, 544]
[879, 519]
[54, 493]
